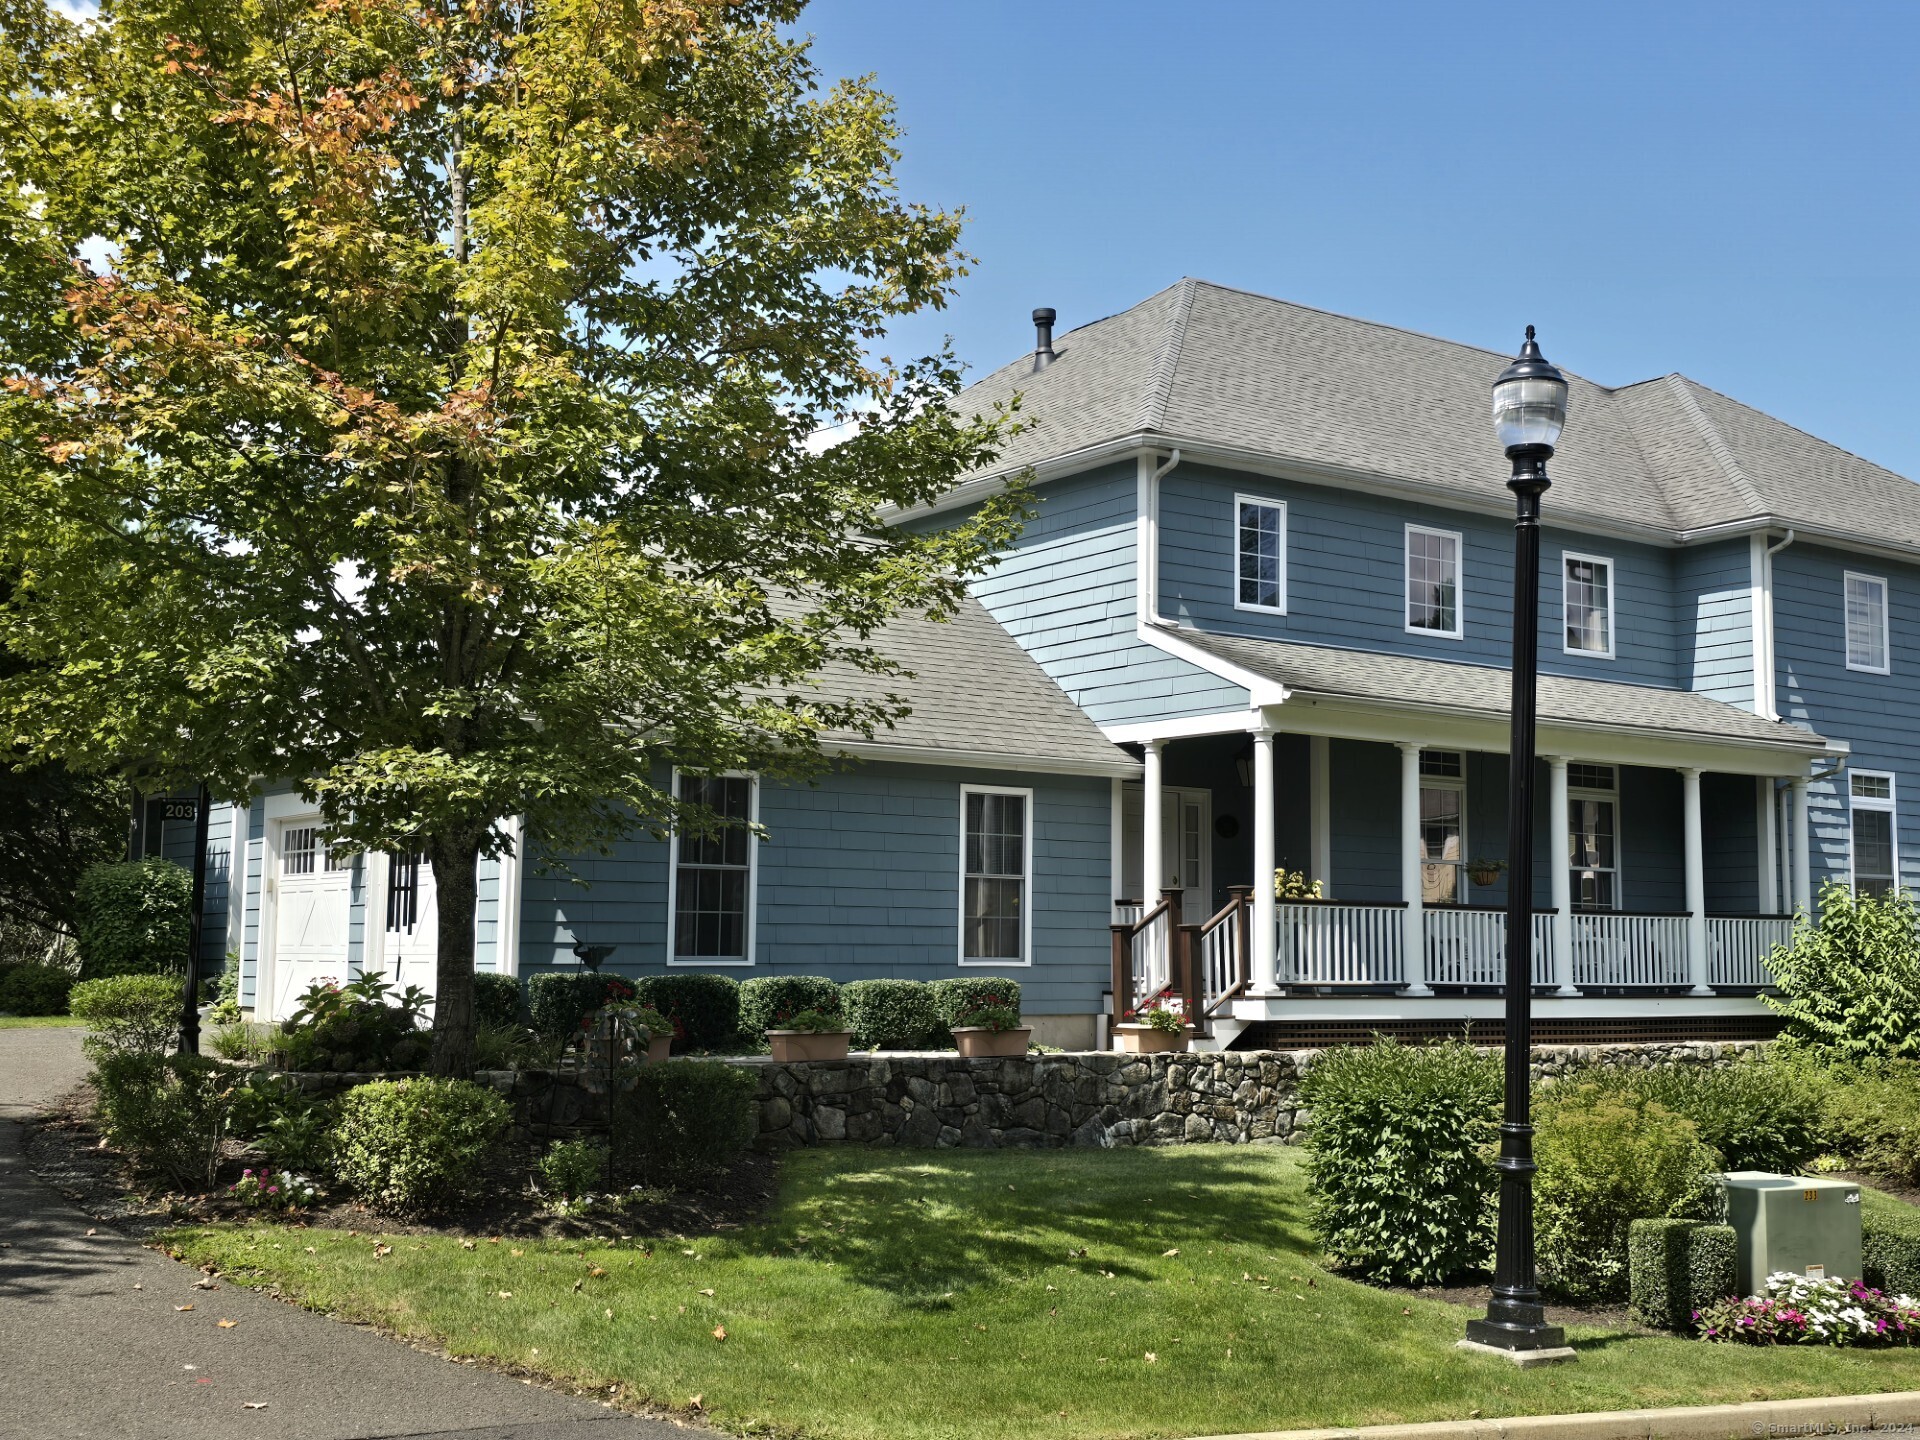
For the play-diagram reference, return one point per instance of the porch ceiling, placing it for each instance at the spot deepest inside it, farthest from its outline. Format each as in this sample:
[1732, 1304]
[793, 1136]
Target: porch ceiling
[1482, 693]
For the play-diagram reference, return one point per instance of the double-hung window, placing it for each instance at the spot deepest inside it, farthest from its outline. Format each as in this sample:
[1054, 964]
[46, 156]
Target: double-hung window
[712, 897]
[1261, 576]
[1443, 827]
[1586, 590]
[1593, 841]
[1433, 581]
[1876, 847]
[996, 876]
[1867, 624]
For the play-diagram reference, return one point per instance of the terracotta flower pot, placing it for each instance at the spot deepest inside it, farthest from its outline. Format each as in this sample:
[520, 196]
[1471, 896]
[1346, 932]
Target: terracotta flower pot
[791, 1045]
[659, 1047]
[1145, 1040]
[978, 1041]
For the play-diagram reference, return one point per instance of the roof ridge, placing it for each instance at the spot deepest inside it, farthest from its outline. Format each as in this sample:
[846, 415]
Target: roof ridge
[1716, 443]
[1789, 425]
[1159, 388]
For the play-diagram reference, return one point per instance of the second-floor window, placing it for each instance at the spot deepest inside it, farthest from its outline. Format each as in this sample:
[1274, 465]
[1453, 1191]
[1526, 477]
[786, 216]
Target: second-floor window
[1433, 581]
[1587, 604]
[1876, 865]
[1262, 574]
[1867, 623]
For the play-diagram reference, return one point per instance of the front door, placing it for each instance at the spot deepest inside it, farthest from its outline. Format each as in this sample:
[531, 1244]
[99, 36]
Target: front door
[313, 894]
[1186, 833]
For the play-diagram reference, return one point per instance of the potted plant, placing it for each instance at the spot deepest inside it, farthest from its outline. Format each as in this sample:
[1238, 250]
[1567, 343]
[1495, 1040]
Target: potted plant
[1485, 872]
[1155, 1028]
[991, 1030]
[658, 1029]
[810, 1035]
[1294, 885]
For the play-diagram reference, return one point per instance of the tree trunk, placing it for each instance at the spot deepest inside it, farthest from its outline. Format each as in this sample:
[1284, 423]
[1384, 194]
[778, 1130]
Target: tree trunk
[456, 867]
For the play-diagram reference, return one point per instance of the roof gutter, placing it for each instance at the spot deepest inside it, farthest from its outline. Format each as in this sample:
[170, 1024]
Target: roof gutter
[1122, 765]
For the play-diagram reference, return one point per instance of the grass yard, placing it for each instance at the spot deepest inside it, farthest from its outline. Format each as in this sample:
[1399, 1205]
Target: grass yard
[909, 1295]
[39, 1022]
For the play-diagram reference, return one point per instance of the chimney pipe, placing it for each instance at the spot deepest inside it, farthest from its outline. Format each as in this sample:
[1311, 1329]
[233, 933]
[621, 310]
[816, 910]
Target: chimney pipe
[1042, 338]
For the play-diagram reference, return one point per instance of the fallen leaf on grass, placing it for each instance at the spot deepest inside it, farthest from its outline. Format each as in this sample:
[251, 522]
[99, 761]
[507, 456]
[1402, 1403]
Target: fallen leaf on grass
[505, 1294]
[227, 1324]
[706, 1292]
[594, 1272]
[518, 1252]
[695, 1402]
[206, 1283]
[1151, 1357]
[577, 1285]
[609, 1314]
[467, 1244]
[1169, 1254]
[719, 1332]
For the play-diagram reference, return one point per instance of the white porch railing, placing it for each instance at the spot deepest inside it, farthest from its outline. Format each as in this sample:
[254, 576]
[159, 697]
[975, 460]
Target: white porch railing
[1469, 946]
[1738, 947]
[1220, 967]
[1151, 949]
[1127, 912]
[1618, 948]
[1329, 943]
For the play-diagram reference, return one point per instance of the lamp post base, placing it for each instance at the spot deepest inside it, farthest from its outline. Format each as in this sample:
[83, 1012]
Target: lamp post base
[1523, 1327]
[1525, 1359]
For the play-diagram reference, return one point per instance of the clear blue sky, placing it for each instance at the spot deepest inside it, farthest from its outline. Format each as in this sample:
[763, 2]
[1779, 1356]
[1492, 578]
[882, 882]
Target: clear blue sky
[1723, 189]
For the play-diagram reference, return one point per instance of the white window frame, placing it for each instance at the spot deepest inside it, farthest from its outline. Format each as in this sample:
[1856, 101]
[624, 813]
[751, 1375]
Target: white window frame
[1886, 619]
[693, 962]
[1264, 503]
[1613, 797]
[1567, 557]
[1459, 539]
[1889, 807]
[1026, 879]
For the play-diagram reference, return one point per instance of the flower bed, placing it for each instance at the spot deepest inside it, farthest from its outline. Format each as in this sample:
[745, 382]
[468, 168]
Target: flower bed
[1794, 1310]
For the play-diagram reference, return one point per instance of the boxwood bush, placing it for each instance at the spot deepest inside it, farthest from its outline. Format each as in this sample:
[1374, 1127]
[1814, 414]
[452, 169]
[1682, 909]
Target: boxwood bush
[412, 1147]
[1399, 1182]
[686, 1117]
[128, 1014]
[704, 1008]
[34, 989]
[134, 918]
[1677, 1267]
[558, 1000]
[892, 1014]
[1890, 1245]
[768, 1000]
[954, 998]
[496, 999]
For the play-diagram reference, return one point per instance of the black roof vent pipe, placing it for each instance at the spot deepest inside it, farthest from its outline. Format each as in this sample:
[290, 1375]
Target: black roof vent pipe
[1042, 338]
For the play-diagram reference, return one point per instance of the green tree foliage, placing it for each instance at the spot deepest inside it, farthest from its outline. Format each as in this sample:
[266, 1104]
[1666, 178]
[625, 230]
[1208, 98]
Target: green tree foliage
[414, 400]
[1851, 983]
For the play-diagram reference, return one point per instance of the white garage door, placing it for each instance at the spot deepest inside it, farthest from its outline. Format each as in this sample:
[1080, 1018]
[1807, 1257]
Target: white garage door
[312, 898]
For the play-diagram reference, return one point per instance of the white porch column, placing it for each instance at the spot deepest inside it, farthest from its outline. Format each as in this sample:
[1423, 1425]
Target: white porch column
[1696, 872]
[1260, 964]
[1320, 808]
[1414, 936]
[1802, 849]
[1560, 823]
[1153, 872]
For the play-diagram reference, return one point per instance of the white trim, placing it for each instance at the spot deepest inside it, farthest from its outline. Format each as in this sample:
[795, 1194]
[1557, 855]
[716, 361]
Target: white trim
[1261, 502]
[1122, 766]
[506, 921]
[1320, 810]
[753, 878]
[1026, 880]
[237, 863]
[375, 884]
[1459, 539]
[1613, 638]
[1116, 838]
[1189, 727]
[1260, 690]
[1586, 792]
[1888, 807]
[1886, 621]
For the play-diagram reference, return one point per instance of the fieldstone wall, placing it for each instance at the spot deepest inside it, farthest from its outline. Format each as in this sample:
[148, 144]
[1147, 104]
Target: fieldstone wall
[1090, 1098]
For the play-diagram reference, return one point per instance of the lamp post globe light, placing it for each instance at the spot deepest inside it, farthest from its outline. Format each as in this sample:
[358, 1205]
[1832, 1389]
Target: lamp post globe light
[1529, 411]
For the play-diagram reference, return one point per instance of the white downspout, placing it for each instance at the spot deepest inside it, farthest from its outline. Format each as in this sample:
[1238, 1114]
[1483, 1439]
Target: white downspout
[1766, 675]
[1147, 545]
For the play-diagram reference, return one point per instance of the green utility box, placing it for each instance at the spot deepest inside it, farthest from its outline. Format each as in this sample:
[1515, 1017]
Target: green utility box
[1790, 1222]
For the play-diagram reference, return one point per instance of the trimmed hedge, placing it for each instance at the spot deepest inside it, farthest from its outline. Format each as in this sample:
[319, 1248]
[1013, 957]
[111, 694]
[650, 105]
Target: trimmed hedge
[412, 1147]
[767, 1000]
[1890, 1245]
[135, 918]
[496, 999]
[704, 1008]
[558, 1000]
[688, 1117]
[34, 990]
[956, 997]
[892, 1014]
[1678, 1267]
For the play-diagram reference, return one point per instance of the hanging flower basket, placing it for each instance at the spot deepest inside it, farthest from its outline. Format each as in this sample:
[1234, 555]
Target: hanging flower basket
[1485, 872]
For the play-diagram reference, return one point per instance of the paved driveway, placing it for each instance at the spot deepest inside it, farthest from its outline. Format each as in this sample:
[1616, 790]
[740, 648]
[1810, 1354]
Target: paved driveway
[94, 1346]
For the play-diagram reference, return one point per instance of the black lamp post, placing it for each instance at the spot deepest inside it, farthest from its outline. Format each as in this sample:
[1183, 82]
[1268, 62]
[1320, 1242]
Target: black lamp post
[1529, 409]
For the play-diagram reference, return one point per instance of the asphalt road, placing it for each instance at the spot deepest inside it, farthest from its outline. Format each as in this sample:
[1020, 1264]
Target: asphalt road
[95, 1345]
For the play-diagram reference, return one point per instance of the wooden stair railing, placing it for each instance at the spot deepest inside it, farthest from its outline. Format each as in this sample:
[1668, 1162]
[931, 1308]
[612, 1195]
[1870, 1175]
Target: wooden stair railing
[1125, 941]
[1230, 930]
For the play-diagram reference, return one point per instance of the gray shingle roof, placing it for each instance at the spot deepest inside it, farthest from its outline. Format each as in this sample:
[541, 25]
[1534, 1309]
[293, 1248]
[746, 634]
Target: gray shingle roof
[1206, 363]
[974, 693]
[1320, 670]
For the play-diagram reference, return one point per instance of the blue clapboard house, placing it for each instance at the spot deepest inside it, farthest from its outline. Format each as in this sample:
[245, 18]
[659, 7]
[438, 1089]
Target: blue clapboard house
[1261, 623]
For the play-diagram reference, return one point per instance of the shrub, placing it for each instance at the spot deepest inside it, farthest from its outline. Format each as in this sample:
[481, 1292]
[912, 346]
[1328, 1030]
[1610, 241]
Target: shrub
[496, 999]
[954, 998]
[1607, 1158]
[33, 989]
[989, 1017]
[769, 1002]
[558, 1000]
[1758, 1114]
[1851, 983]
[1678, 1267]
[128, 1014]
[688, 1117]
[169, 1114]
[1872, 1115]
[411, 1147]
[284, 1122]
[357, 1027]
[891, 1014]
[571, 1169]
[225, 1006]
[1398, 1182]
[135, 917]
[1890, 1245]
[704, 1008]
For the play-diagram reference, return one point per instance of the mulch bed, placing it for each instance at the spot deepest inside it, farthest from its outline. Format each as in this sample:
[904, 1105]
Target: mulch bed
[1601, 1315]
[64, 1149]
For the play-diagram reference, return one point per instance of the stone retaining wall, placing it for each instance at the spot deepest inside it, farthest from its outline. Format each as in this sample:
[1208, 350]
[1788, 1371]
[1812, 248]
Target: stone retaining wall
[1082, 1098]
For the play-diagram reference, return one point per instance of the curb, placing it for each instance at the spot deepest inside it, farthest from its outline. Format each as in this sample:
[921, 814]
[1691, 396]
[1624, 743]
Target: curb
[1821, 1415]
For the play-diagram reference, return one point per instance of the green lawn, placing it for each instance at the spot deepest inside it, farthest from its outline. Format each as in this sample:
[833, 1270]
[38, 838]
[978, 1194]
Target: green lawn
[39, 1022]
[906, 1295]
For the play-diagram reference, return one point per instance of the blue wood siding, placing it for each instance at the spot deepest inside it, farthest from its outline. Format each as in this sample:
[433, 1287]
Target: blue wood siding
[1713, 605]
[859, 878]
[1874, 713]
